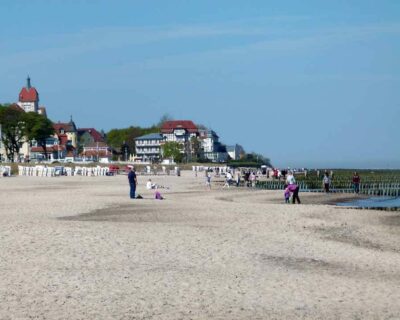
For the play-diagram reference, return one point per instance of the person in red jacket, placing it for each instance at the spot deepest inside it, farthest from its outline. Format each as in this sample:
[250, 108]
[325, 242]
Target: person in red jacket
[356, 182]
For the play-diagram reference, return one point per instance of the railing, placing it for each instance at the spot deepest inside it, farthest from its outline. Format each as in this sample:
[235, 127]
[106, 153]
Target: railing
[391, 189]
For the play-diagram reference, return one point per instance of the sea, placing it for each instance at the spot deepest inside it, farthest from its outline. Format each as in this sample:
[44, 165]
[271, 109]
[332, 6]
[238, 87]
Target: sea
[373, 203]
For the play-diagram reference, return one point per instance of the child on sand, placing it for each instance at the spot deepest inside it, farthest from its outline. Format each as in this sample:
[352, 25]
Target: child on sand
[287, 195]
[157, 195]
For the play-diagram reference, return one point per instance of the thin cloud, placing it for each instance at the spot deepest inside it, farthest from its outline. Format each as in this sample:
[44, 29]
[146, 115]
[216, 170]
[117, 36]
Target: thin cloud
[272, 38]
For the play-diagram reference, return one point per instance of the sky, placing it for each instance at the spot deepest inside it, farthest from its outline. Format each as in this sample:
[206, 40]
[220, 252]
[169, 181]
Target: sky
[305, 83]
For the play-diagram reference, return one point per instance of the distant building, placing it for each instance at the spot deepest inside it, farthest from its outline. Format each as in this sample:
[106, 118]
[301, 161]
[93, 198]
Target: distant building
[88, 136]
[213, 150]
[96, 151]
[28, 99]
[148, 147]
[54, 150]
[181, 131]
[69, 130]
[235, 151]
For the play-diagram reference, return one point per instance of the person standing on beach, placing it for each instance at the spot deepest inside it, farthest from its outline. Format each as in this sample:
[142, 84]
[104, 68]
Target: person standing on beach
[237, 178]
[326, 181]
[208, 179]
[290, 178]
[356, 182]
[132, 181]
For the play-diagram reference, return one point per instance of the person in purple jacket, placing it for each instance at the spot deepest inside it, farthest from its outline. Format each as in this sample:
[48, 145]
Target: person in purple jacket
[295, 189]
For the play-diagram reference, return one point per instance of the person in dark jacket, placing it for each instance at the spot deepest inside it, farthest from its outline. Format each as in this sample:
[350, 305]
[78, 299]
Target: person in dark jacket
[356, 182]
[294, 188]
[132, 181]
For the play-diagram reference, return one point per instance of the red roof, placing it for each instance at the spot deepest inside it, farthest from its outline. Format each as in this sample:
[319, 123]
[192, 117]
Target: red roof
[28, 95]
[170, 126]
[68, 127]
[97, 137]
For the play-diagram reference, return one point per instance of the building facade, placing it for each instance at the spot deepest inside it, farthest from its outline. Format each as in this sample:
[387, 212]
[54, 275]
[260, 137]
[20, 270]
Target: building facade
[212, 149]
[182, 132]
[235, 152]
[148, 147]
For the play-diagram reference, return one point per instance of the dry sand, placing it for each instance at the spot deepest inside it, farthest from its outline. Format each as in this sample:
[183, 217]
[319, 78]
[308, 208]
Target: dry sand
[79, 248]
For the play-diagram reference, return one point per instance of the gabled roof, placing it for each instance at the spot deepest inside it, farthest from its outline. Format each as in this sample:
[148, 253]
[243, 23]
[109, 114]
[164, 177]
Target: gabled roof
[97, 137]
[68, 127]
[170, 126]
[28, 95]
[151, 136]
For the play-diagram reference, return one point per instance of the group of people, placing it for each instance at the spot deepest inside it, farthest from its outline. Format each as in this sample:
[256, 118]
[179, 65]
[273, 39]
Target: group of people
[132, 178]
[327, 180]
[235, 178]
[291, 192]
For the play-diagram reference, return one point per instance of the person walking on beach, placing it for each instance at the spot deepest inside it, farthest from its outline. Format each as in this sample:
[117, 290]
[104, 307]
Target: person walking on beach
[326, 181]
[208, 179]
[253, 179]
[132, 181]
[228, 180]
[356, 182]
[237, 178]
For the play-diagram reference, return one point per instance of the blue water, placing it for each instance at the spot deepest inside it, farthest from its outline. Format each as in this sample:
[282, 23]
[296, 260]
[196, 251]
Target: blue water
[375, 202]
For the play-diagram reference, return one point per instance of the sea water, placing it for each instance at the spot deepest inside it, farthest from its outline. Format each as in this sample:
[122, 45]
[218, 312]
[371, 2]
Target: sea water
[374, 202]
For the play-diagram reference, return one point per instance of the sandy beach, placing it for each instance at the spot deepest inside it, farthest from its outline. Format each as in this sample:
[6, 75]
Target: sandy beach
[79, 248]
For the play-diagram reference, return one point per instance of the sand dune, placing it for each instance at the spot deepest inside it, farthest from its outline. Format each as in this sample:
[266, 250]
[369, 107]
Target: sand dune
[79, 248]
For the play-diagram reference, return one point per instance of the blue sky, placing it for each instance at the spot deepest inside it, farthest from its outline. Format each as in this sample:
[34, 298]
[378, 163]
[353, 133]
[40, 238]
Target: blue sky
[306, 83]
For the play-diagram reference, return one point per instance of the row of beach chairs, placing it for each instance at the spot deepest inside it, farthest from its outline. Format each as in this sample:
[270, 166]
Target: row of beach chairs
[5, 171]
[43, 171]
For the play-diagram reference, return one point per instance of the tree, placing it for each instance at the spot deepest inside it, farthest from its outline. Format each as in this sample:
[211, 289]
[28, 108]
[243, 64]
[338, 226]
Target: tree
[195, 148]
[172, 150]
[38, 128]
[165, 117]
[12, 129]
[117, 137]
[125, 151]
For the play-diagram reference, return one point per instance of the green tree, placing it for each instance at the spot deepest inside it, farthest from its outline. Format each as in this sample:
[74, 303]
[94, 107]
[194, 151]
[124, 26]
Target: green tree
[195, 149]
[38, 128]
[12, 129]
[117, 137]
[172, 150]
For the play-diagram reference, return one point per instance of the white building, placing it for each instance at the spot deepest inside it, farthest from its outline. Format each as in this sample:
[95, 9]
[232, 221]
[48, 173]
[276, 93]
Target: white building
[213, 150]
[179, 130]
[235, 151]
[148, 147]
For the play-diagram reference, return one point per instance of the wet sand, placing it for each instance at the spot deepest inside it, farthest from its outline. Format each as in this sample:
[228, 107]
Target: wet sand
[79, 248]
